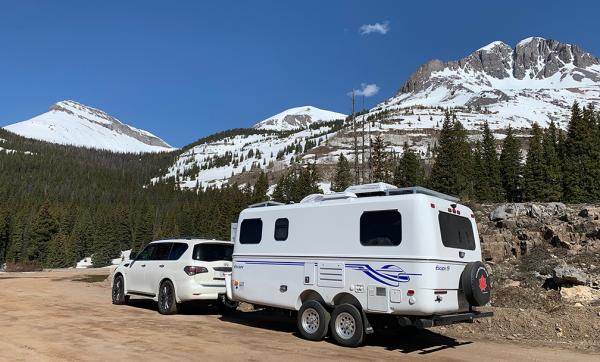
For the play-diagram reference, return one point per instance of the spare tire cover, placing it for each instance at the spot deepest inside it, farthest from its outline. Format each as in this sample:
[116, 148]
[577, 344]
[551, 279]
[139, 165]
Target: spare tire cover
[476, 283]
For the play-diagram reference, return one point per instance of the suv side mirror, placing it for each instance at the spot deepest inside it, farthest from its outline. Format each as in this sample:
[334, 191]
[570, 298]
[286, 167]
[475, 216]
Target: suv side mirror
[132, 255]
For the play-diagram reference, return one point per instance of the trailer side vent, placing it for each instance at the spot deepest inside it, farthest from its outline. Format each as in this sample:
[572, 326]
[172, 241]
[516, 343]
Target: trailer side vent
[331, 275]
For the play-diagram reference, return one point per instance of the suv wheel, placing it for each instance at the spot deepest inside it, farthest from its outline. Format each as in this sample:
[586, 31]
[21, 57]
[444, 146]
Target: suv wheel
[118, 291]
[347, 326]
[167, 302]
[313, 320]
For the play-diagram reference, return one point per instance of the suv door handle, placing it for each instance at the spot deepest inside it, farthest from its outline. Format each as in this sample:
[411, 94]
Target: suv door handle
[162, 266]
[143, 265]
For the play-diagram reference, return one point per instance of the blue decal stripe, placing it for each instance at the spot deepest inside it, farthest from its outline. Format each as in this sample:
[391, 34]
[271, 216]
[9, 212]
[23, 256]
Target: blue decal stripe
[268, 262]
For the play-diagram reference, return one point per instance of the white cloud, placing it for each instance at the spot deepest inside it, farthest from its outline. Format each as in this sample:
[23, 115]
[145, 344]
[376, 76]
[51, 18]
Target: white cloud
[381, 28]
[366, 90]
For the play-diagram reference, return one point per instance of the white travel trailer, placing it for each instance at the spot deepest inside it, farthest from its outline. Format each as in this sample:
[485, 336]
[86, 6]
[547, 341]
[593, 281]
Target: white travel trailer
[350, 261]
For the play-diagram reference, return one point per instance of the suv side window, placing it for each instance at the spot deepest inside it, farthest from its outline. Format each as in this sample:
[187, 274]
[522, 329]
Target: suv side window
[162, 251]
[146, 254]
[381, 228]
[251, 231]
[281, 229]
[177, 251]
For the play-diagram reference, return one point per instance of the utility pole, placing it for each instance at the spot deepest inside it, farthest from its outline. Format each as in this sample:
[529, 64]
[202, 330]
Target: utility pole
[356, 180]
[362, 151]
[370, 156]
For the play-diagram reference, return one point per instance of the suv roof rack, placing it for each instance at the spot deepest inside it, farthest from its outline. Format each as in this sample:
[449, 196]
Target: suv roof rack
[421, 190]
[266, 204]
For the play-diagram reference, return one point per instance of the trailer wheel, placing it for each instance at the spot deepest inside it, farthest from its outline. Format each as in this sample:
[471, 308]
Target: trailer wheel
[313, 320]
[347, 327]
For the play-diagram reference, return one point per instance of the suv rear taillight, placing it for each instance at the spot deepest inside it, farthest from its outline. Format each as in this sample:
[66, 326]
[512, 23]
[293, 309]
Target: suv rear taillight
[193, 270]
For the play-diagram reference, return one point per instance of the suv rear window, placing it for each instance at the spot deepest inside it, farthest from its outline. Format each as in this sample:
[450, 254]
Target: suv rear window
[381, 228]
[457, 231]
[212, 252]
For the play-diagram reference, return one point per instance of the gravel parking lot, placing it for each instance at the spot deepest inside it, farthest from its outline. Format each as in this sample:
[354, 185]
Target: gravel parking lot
[67, 315]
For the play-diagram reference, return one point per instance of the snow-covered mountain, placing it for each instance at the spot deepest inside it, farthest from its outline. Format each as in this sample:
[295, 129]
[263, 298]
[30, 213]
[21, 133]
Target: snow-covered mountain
[536, 81]
[72, 123]
[298, 118]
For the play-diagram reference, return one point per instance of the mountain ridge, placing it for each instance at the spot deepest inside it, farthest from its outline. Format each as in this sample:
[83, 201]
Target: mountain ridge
[72, 123]
[298, 117]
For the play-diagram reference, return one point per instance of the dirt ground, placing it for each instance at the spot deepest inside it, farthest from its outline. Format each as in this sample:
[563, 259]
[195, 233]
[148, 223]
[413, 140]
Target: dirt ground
[67, 315]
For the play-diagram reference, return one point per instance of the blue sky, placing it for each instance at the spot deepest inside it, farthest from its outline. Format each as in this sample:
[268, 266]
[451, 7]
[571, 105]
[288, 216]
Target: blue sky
[186, 69]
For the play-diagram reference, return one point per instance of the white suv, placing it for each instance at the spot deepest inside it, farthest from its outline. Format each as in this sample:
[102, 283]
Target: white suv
[175, 271]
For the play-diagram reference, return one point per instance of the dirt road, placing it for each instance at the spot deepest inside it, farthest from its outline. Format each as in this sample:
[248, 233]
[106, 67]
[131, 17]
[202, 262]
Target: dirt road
[68, 316]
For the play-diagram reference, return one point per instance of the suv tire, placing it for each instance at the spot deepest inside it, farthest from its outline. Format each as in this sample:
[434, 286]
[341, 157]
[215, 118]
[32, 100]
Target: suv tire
[167, 301]
[118, 291]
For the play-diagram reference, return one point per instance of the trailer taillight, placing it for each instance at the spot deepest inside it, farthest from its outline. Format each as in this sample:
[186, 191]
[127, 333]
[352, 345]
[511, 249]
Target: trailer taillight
[432, 205]
[410, 292]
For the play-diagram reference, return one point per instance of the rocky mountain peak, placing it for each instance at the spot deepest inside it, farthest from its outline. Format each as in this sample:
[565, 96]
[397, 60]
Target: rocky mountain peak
[531, 58]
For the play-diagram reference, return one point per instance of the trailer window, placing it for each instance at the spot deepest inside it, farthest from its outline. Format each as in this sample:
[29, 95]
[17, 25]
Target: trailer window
[251, 231]
[281, 229]
[381, 228]
[457, 231]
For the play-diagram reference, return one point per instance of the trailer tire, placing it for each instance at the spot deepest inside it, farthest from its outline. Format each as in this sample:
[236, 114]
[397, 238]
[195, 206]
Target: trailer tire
[476, 283]
[347, 327]
[313, 321]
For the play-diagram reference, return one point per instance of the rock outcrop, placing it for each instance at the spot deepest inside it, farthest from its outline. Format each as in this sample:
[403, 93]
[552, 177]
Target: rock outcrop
[511, 230]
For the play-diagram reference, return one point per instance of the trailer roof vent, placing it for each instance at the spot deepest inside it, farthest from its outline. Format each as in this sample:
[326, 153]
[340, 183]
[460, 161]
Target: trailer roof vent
[374, 189]
[328, 197]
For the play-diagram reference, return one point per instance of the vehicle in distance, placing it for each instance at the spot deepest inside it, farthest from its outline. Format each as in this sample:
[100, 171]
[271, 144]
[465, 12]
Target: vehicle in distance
[374, 255]
[175, 271]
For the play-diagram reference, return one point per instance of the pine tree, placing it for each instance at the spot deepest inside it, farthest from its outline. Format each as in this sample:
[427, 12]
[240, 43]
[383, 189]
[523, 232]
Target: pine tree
[452, 172]
[4, 233]
[281, 191]
[15, 252]
[343, 175]
[56, 257]
[510, 167]
[488, 187]
[534, 173]
[43, 230]
[580, 166]
[409, 171]
[552, 165]
[144, 231]
[261, 187]
[122, 235]
[380, 161]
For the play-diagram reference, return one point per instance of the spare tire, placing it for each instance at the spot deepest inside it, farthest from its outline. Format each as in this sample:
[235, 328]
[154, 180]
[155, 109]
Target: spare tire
[476, 283]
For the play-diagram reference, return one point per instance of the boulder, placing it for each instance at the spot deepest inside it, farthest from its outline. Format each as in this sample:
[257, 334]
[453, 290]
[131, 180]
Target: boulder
[565, 274]
[580, 294]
